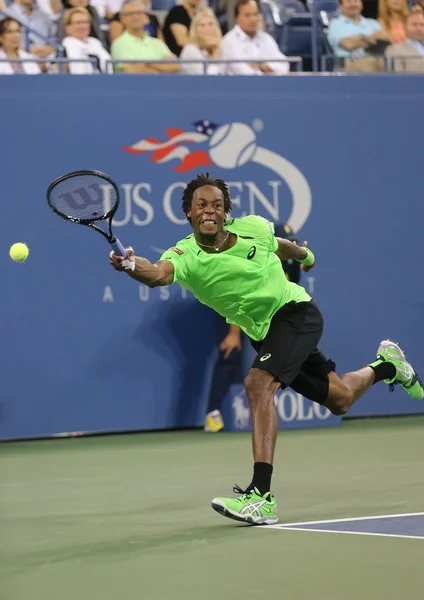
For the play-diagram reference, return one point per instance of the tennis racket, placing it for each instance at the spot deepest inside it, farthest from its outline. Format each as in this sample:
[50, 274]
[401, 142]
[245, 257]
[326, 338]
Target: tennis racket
[87, 198]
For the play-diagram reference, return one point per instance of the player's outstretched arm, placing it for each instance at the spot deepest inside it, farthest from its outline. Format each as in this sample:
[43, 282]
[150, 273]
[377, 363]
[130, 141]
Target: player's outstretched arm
[142, 270]
[288, 250]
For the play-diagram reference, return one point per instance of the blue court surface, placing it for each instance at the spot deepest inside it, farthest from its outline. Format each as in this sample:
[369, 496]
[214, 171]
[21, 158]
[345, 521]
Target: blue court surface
[410, 525]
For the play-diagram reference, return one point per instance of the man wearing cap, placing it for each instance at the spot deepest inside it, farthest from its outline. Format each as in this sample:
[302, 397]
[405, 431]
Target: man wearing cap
[227, 368]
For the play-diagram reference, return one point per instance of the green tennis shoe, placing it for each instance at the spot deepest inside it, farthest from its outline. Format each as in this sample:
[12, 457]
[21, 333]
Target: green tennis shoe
[406, 376]
[250, 507]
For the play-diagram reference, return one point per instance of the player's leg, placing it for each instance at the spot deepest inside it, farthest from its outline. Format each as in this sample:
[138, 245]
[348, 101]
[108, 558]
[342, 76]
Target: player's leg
[391, 367]
[345, 390]
[294, 333]
[223, 376]
[318, 382]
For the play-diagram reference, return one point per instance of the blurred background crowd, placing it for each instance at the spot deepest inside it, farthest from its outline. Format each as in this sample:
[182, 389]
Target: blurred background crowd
[226, 37]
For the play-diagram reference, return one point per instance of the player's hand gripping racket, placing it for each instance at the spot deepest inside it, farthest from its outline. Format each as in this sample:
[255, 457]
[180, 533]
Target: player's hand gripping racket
[87, 197]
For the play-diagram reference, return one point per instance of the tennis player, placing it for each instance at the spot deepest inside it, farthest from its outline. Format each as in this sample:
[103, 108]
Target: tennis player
[234, 267]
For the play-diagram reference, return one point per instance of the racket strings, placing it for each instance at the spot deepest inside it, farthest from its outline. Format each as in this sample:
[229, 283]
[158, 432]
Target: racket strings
[84, 198]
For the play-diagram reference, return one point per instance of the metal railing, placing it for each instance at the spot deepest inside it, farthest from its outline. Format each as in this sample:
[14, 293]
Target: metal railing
[205, 62]
[337, 62]
[50, 61]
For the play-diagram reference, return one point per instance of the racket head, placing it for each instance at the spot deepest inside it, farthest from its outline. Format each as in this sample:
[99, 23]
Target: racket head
[84, 197]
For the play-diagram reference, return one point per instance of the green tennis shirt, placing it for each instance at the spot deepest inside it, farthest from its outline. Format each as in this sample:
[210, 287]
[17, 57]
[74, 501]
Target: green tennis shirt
[245, 284]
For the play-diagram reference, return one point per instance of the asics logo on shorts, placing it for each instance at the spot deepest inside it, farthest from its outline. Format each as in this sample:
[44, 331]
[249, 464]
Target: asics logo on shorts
[265, 357]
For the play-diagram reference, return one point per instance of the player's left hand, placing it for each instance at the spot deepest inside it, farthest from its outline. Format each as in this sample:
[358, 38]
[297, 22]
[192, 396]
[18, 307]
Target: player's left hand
[304, 267]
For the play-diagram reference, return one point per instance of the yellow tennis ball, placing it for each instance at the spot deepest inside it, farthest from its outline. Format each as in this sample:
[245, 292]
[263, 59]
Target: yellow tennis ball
[19, 252]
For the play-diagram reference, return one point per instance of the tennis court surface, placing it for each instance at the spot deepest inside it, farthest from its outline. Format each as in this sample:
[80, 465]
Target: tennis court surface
[128, 516]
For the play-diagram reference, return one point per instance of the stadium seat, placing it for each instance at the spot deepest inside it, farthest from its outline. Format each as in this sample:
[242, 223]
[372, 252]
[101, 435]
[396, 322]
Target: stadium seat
[296, 36]
[271, 16]
[163, 4]
[329, 6]
[288, 8]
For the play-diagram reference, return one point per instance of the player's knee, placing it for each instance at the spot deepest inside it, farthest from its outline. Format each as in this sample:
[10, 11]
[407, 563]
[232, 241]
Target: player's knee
[338, 408]
[340, 404]
[259, 385]
[251, 385]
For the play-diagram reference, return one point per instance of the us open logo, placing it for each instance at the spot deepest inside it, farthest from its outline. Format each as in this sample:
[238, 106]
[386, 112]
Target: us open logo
[227, 146]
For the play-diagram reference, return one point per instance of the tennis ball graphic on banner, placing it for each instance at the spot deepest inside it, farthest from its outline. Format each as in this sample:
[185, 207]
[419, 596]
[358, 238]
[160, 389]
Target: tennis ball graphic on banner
[232, 145]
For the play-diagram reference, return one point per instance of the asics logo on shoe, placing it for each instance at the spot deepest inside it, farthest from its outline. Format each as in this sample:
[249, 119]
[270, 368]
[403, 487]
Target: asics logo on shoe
[265, 357]
[253, 508]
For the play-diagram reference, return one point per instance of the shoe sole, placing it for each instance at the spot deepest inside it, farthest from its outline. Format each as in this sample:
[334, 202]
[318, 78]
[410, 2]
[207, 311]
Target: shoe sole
[210, 430]
[225, 512]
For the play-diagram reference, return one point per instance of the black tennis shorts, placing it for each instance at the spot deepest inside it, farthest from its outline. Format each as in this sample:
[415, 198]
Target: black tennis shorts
[289, 351]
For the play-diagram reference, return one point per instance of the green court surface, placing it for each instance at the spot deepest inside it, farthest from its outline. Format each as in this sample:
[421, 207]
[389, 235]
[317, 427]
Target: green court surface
[123, 517]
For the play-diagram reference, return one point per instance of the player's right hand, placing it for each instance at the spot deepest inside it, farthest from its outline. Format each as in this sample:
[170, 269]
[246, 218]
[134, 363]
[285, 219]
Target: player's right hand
[119, 263]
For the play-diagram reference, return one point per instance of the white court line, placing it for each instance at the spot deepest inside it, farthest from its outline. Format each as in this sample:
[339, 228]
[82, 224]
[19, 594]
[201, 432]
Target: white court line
[417, 514]
[392, 535]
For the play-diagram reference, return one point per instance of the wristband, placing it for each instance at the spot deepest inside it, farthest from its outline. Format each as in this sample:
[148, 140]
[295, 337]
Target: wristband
[309, 259]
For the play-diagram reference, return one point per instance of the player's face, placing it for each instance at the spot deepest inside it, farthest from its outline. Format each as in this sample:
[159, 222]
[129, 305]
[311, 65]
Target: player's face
[207, 212]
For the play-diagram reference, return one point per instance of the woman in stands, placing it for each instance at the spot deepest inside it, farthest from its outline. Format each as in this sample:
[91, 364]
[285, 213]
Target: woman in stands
[79, 44]
[151, 25]
[391, 16]
[10, 41]
[95, 29]
[204, 41]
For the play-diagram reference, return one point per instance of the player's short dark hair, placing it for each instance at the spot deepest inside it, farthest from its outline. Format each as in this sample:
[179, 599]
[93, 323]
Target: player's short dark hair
[199, 182]
[240, 3]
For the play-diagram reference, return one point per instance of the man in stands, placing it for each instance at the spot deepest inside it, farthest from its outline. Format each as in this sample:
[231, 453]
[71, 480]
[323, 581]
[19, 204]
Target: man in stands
[247, 41]
[409, 56]
[351, 35]
[136, 44]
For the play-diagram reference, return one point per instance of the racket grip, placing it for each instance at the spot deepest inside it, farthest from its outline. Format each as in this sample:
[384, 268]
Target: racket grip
[118, 248]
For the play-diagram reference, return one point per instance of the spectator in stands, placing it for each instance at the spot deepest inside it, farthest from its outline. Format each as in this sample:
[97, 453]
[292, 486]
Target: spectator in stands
[26, 13]
[135, 44]
[52, 8]
[10, 41]
[391, 16]
[351, 35]
[177, 25]
[204, 41]
[95, 29]
[79, 44]
[151, 25]
[247, 41]
[409, 56]
[106, 9]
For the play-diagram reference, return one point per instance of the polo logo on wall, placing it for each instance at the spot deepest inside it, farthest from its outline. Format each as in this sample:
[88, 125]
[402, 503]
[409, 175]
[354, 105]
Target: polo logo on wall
[227, 146]
[293, 410]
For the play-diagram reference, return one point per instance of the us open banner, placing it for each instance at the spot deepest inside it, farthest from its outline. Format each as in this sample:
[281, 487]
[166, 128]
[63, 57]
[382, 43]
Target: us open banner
[88, 349]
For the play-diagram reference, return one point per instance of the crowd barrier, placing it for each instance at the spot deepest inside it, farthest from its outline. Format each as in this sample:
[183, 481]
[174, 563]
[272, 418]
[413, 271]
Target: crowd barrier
[87, 349]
